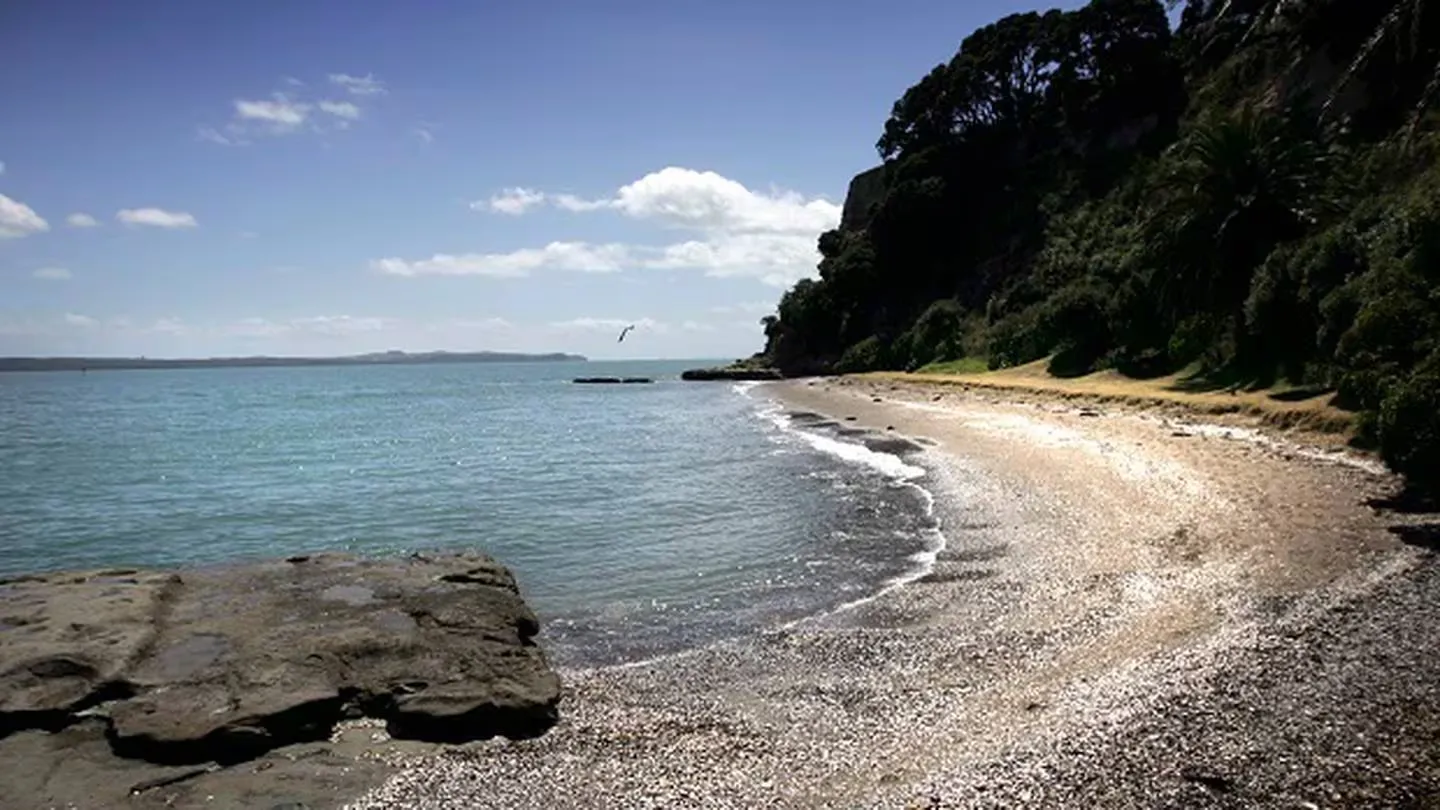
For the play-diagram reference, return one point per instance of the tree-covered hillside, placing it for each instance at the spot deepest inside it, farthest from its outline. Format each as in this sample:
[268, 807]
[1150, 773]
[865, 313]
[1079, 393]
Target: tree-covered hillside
[1254, 194]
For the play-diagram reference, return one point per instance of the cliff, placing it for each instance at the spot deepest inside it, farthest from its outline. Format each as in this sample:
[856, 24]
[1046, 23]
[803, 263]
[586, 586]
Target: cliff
[866, 191]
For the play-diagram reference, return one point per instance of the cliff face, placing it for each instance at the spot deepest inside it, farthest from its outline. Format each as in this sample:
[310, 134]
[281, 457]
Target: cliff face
[866, 190]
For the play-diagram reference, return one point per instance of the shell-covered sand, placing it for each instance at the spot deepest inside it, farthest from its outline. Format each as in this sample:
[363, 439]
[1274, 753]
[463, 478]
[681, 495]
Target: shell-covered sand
[1129, 612]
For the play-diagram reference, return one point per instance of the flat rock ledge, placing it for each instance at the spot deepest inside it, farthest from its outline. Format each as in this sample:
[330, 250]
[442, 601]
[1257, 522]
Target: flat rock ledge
[223, 665]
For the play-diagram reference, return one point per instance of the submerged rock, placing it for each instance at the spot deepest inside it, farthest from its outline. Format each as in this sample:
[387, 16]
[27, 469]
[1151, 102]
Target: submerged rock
[225, 664]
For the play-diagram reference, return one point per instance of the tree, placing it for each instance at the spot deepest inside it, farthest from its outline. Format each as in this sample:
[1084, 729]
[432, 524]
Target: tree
[1239, 186]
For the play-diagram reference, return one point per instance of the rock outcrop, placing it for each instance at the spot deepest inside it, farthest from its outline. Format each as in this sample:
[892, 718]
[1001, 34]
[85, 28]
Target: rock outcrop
[225, 664]
[866, 191]
[732, 373]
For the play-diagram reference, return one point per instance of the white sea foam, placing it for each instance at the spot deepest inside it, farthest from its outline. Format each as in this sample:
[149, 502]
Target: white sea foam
[888, 464]
[744, 386]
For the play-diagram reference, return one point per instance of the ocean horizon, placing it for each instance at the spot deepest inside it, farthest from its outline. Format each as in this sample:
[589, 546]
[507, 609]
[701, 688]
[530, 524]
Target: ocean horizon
[639, 520]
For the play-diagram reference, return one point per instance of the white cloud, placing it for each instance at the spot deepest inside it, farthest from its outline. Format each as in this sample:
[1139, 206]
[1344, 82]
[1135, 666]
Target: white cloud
[280, 113]
[577, 256]
[82, 321]
[341, 109]
[233, 135]
[336, 325]
[512, 201]
[168, 326]
[775, 259]
[18, 219]
[708, 201]
[470, 324]
[756, 308]
[52, 274]
[766, 235]
[608, 324]
[156, 217]
[80, 220]
[570, 202]
[424, 133]
[2, 167]
[366, 85]
[292, 110]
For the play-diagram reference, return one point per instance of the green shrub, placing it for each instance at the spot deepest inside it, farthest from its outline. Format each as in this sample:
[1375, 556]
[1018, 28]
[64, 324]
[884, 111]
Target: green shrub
[937, 335]
[1408, 427]
[867, 355]
[1017, 340]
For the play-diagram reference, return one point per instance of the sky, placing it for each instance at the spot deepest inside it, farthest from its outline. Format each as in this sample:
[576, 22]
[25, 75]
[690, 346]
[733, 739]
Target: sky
[282, 177]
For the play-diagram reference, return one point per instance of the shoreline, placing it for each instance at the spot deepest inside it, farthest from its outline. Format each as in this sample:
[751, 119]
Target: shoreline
[1101, 575]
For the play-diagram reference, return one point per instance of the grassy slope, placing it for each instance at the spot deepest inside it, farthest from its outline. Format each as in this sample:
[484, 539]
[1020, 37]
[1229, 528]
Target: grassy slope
[1277, 407]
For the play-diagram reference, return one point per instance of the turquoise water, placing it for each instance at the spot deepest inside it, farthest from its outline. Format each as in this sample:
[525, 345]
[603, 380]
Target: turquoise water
[638, 519]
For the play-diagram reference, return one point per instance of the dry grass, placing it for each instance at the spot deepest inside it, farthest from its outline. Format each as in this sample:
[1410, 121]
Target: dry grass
[1269, 407]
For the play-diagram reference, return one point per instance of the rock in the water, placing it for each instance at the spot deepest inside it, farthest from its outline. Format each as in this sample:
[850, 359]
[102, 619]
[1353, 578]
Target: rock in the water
[895, 445]
[737, 374]
[225, 664]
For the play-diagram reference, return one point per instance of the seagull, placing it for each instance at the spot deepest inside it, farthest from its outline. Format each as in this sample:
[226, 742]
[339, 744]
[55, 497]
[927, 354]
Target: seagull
[624, 332]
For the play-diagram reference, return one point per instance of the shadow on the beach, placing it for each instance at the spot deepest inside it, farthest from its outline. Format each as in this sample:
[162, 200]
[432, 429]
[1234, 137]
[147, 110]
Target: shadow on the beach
[1406, 502]
[1424, 535]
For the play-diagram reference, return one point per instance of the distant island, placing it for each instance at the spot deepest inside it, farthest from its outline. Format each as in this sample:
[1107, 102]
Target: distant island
[390, 358]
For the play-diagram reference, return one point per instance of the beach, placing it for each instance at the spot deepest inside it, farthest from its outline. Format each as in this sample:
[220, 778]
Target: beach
[1130, 609]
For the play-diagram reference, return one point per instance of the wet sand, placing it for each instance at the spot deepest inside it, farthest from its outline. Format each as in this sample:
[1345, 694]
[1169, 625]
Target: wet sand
[1128, 612]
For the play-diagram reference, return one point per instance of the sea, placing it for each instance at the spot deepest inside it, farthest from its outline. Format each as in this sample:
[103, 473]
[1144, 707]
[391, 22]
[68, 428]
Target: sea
[639, 520]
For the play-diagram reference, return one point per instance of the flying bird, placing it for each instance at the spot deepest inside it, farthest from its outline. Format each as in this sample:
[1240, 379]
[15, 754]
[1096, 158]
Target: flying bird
[624, 332]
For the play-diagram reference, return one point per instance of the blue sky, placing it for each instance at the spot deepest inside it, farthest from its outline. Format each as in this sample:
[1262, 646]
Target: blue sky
[199, 179]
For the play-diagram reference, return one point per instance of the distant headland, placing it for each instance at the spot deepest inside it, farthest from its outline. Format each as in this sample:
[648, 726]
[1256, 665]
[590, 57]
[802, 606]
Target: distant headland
[376, 359]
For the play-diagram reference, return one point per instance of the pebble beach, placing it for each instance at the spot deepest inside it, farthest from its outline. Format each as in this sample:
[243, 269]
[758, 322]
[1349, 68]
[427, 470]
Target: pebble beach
[1128, 611]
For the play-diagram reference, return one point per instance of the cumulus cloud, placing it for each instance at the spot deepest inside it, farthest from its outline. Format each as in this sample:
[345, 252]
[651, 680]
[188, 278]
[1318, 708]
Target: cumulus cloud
[18, 219]
[156, 218]
[701, 200]
[80, 220]
[52, 274]
[576, 256]
[424, 133]
[82, 321]
[777, 260]
[2, 167]
[740, 232]
[366, 85]
[707, 201]
[512, 201]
